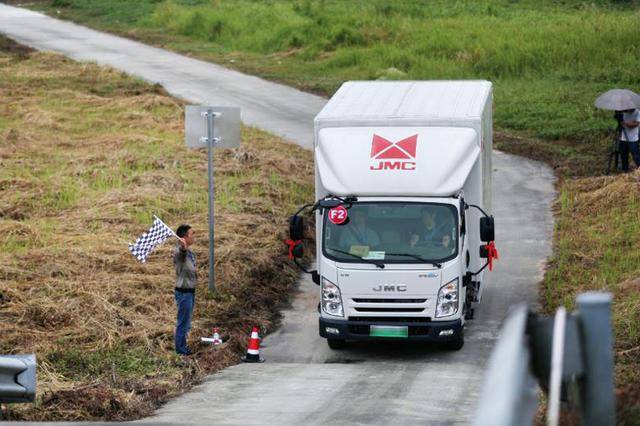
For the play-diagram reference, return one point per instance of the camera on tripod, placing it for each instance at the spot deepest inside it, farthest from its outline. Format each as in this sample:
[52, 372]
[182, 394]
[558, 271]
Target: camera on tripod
[618, 116]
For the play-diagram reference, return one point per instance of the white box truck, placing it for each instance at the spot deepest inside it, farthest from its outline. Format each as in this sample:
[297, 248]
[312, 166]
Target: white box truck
[402, 210]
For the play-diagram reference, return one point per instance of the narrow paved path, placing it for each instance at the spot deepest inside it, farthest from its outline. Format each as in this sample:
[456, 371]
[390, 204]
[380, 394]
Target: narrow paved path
[273, 107]
[303, 382]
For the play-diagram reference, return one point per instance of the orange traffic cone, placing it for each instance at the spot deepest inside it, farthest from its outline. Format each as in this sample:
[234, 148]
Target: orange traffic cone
[253, 350]
[216, 340]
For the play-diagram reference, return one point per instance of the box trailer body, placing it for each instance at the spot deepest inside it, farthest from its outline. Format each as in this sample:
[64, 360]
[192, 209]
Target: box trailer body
[408, 159]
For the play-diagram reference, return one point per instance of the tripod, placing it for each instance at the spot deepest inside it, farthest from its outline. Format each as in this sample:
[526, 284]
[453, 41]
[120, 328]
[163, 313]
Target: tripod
[614, 153]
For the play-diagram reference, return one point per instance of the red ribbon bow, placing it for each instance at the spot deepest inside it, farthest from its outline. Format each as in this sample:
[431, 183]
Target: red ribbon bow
[292, 244]
[492, 253]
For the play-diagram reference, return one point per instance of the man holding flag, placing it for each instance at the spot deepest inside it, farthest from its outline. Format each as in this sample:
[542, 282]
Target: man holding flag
[184, 262]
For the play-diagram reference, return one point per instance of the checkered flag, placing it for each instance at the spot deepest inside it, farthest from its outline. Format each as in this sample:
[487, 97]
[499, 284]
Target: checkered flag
[144, 245]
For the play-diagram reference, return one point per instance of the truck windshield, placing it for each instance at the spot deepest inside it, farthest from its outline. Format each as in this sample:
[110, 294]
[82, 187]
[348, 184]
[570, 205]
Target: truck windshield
[393, 232]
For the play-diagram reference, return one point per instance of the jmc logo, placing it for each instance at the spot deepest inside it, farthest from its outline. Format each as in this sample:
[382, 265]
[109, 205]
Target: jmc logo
[383, 150]
[381, 287]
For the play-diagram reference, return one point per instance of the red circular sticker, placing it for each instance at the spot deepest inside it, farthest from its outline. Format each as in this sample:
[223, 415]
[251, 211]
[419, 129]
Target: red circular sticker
[338, 215]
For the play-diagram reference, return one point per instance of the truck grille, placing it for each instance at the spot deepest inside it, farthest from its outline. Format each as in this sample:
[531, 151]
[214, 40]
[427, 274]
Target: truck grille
[389, 309]
[389, 300]
[383, 320]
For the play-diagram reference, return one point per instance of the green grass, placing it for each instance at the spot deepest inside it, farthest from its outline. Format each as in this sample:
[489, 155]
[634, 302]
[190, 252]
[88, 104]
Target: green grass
[123, 361]
[548, 60]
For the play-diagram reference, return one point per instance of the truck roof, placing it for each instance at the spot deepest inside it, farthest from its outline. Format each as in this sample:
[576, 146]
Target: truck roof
[369, 102]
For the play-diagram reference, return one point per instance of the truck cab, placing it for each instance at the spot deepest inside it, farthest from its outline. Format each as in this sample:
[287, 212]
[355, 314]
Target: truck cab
[402, 210]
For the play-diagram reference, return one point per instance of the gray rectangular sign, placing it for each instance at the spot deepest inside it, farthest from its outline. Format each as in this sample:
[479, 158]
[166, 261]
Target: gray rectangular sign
[226, 126]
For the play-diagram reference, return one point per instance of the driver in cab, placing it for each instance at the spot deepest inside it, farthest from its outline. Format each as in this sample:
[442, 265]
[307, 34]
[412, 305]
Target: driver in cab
[429, 231]
[357, 233]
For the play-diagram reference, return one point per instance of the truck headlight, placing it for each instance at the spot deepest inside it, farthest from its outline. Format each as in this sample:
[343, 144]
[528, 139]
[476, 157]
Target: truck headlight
[447, 299]
[331, 298]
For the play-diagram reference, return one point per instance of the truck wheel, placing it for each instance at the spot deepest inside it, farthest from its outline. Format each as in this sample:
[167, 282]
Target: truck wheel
[336, 343]
[456, 344]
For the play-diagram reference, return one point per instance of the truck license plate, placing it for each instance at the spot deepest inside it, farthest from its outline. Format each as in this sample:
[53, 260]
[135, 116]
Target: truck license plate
[388, 331]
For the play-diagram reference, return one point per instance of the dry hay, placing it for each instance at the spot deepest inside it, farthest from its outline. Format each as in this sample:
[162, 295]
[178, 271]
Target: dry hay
[597, 248]
[74, 192]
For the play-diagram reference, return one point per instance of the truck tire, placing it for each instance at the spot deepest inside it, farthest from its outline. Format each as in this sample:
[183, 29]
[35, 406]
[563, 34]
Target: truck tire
[457, 343]
[336, 343]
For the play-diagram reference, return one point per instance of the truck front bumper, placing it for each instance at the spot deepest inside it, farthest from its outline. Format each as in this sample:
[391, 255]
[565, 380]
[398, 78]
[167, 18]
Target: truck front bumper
[429, 331]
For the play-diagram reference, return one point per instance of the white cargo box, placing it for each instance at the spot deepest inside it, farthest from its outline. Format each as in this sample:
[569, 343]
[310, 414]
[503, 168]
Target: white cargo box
[405, 138]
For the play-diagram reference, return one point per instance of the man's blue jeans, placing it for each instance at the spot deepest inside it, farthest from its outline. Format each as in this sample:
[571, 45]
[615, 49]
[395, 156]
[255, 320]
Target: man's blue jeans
[625, 148]
[184, 303]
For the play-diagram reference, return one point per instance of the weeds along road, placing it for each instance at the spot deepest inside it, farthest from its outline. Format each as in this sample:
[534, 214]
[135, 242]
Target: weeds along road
[303, 381]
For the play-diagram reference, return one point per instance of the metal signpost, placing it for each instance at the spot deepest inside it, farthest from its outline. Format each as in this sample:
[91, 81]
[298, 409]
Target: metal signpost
[200, 133]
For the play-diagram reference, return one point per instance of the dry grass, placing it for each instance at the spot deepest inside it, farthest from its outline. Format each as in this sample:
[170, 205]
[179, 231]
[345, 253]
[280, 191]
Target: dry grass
[597, 247]
[87, 155]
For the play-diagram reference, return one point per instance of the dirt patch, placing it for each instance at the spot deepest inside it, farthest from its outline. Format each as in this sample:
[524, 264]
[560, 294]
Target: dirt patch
[568, 158]
[16, 50]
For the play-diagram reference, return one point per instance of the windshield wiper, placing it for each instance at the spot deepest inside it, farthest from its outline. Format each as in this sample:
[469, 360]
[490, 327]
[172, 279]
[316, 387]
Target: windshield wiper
[378, 264]
[437, 265]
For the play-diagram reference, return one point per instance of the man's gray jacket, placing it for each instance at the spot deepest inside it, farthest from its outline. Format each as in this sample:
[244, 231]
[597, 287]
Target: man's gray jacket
[184, 262]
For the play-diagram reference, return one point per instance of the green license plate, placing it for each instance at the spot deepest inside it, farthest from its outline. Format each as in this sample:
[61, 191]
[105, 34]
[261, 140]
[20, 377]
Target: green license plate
[388, 331]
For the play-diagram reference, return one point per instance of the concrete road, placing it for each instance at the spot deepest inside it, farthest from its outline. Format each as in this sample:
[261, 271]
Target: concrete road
[303, 381]
[273, 107]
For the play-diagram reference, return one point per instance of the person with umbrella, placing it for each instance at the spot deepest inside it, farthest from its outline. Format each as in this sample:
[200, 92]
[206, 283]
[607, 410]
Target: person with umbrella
[625, 103]
[629, 138]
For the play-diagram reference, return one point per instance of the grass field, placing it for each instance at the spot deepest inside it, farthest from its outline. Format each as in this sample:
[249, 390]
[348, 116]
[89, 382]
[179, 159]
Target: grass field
[87, 155]
[547, 59]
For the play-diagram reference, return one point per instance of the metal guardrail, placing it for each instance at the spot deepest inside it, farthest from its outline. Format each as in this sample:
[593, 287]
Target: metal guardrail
[569, 357]
[17, 378]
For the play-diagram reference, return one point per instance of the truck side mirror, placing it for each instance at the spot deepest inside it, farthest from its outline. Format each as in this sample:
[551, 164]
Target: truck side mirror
[487, 231]
[484, 253]
[296, 227]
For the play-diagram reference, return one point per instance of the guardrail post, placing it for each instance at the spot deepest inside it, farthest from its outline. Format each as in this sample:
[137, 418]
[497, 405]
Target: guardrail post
[598, 403]
[509, 392]
[17, 378]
